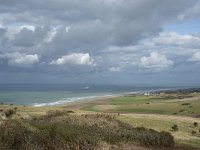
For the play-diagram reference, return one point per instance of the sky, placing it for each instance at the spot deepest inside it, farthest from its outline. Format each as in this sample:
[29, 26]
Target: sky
[129, 42]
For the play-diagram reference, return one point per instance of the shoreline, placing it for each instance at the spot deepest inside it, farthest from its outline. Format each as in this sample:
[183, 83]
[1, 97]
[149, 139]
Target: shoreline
[94, 98]
[105, 97]
[74, 100]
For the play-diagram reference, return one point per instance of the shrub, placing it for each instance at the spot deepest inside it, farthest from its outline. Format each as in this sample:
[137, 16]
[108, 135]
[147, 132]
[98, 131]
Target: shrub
[195, 124]
[55, 113]
[175, 127]
[12, 135]
[182, 110]
[85, 132]
[9, 112]
[185, 104]
[70, 111]
[194, 132]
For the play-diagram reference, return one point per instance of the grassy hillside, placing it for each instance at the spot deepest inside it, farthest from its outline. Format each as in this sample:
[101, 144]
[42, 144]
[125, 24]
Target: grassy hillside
[186, 134]
[60, 130]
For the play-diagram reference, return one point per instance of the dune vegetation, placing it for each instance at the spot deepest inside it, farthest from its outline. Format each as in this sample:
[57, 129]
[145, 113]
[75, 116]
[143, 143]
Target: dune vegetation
[63, 130]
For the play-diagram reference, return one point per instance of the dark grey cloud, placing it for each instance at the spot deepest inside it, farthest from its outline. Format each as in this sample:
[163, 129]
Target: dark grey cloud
[120, 23]
[24, 38]
[2, 31]
[27, 38]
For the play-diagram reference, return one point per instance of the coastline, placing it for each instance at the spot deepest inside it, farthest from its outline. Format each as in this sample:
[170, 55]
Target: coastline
[101, 99]
[73, 100]
[104, 97]
[84, 99]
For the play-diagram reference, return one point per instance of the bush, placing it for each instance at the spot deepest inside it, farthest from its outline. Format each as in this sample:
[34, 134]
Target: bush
[175, 127]
[70, 111]
[185, 104]
[194, 132]
[9, 112]
[55, 113]
[12, 135]
[182, 110]
[85, 132]
[195, 124]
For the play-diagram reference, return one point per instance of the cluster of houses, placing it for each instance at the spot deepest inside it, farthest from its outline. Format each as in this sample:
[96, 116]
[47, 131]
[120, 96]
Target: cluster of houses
[163, 93]
[154, 93]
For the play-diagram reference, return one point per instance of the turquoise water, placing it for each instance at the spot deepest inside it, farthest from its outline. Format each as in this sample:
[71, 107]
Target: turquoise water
[40, 97]
[52, 94]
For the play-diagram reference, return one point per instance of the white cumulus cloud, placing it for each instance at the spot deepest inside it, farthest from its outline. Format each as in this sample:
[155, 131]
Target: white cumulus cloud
[173, 38]
[155, 60]
[74, 59]
[196, 57]
[18, 59]
[115, 69]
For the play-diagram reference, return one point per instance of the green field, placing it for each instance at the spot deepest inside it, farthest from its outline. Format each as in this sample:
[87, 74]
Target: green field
[157, 112]
[169, 105]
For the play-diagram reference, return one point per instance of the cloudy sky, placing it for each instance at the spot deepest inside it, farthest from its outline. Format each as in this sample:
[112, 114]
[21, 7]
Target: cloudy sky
[145, 42]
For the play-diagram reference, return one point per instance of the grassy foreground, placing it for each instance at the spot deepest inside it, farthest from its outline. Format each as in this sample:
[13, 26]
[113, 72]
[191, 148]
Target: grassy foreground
[59, 130]
[186, 135]
[130, 127]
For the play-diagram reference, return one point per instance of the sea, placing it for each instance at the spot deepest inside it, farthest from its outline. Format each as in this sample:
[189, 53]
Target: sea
[53, 94]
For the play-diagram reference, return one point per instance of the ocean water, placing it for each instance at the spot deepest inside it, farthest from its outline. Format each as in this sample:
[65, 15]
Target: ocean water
[53, 94]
